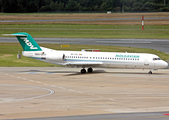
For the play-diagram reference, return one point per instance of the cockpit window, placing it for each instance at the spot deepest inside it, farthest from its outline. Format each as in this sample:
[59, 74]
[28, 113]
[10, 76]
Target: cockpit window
[156, 59]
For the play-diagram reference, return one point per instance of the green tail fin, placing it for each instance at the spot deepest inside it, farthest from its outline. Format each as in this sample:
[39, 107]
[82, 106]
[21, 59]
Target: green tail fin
[27, 42]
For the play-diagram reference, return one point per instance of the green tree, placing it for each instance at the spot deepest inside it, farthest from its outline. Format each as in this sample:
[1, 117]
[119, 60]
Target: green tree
[9, 6]
[104, 6]
[52, 6]
[61, 6]
[71, 6]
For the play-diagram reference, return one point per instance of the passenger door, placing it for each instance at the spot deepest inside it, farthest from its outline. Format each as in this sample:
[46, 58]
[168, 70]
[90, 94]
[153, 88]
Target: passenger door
[146, 62]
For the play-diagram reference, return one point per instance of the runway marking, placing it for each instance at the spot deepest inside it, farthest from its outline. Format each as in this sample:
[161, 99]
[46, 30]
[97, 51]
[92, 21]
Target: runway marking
[31, 80]
[62, 88]
[38, 82]
[71, 90]
[53, 85]
[50, 92]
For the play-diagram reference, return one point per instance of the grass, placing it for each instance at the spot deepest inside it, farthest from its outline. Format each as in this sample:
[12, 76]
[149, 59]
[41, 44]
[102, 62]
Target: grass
[88, 31]
[9, 51]
[8, 57]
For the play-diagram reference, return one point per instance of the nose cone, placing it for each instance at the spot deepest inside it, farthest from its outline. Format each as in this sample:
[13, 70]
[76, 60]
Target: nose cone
[164, 64]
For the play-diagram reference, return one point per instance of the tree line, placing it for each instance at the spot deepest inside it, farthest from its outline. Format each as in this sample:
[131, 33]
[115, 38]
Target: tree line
[28, 6]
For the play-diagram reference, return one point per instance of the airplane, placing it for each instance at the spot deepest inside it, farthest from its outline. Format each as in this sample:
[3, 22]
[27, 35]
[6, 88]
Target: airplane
[89, 59]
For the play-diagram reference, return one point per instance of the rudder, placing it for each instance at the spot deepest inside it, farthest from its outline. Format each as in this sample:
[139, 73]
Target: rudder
[27, 42]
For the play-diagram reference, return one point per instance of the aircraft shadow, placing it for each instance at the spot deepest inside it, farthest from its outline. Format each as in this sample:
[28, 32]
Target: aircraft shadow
[72, 73]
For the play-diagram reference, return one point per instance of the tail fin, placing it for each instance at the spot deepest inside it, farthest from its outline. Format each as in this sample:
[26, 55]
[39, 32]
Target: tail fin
[27, 42]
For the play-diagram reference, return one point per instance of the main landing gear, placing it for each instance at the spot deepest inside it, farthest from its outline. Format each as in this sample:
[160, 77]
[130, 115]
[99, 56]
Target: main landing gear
[83, 71]
[89, 70]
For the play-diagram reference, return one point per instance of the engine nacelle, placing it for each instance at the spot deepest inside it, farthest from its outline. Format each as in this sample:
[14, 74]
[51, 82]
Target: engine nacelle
[56, 57]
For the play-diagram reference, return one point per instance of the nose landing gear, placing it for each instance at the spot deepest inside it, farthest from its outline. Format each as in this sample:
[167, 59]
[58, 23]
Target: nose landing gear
[150, 72]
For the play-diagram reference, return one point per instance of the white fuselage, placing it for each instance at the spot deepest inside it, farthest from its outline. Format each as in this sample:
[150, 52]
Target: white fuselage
[98, 59]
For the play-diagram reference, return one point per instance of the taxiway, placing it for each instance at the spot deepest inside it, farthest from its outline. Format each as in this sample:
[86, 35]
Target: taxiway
[157, 44]
[49, 93]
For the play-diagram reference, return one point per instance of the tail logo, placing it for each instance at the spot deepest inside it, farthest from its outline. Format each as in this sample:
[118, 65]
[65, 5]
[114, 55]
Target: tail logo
[29, 43]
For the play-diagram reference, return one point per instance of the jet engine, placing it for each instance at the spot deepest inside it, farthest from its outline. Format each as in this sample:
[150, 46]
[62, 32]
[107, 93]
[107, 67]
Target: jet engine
[56, 57]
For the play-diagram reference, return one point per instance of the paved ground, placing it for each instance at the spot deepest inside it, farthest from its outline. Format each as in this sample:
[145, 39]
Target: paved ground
[50, 92]
[76, 20]
[157, 44]
[115, 116]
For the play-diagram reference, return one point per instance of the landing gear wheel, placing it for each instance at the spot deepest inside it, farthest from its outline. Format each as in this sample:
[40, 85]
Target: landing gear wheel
[149, 72]
[90, 70]
[83, 71]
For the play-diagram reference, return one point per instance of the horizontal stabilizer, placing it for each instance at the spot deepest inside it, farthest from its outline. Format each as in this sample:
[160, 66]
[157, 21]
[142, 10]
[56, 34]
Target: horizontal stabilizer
[14, 35]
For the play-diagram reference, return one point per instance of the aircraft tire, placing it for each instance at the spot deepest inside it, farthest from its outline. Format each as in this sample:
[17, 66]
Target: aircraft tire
[89, 70]
[150, 72]
[83, 71]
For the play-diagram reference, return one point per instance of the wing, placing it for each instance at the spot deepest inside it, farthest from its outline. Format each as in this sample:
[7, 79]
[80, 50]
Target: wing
[83, 64]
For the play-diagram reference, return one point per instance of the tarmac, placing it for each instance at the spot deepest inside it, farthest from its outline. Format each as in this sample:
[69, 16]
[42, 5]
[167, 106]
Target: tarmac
[156, 44]
[38, 92]
[72, 20]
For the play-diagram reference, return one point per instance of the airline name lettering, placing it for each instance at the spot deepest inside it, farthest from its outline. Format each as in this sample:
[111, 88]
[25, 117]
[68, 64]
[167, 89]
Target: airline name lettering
[29, 44]
[128, 56]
